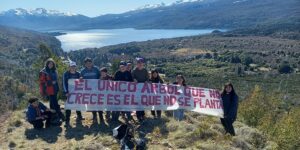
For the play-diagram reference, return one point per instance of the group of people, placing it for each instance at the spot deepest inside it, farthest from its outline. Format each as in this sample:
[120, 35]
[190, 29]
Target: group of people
[37, 112]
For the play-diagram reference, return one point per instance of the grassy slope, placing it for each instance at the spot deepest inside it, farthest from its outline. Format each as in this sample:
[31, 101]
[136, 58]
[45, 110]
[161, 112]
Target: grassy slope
[195, 132]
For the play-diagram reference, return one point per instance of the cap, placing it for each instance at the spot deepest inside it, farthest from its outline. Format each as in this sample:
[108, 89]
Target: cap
[123, 63]
[140, 60]
[88, 59]
[72, 64]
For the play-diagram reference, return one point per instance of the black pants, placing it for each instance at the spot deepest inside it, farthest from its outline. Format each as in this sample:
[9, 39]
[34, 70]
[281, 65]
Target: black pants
[140, 115]
[54, 105]
[158, 113]
[227, 123]
[68, 115]
[38, 124]
[95, 115]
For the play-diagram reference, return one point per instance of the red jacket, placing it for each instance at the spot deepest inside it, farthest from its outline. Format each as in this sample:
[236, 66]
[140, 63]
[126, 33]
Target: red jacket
[46, 86]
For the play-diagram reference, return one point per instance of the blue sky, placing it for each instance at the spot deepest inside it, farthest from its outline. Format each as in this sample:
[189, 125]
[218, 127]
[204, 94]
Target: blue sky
[86, 7]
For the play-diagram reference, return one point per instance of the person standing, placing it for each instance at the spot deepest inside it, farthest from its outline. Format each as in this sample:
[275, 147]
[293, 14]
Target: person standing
[129, 66]
[91, 72]
[155, 78]
[72, 73]
[49, 85]
[230, 106]
[104, 76]
[140, 75]
[179, 113]
[122, 75]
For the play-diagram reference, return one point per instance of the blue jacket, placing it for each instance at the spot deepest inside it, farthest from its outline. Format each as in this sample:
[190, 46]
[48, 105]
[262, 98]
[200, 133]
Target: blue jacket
[92, 73]
[230, 106]
[68, 75]
[32, 112]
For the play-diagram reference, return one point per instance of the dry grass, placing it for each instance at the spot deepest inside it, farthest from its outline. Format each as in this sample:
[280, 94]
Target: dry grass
[195, 132]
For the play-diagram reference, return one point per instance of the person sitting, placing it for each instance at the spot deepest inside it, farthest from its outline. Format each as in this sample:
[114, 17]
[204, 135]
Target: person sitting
[37, 113]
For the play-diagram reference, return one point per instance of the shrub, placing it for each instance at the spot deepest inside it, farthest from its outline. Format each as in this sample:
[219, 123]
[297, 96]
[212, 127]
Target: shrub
[285, 68]
[267, 113]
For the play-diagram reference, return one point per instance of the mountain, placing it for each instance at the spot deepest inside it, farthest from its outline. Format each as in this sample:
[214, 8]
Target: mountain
[183, 14]
[36, 12]
[40, 19]
[204, 14]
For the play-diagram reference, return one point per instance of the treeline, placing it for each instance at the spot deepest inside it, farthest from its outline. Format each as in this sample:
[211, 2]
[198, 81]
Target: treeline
[271, 113]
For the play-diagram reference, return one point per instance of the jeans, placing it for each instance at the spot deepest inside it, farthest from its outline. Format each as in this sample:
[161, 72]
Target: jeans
[178, 114]
[38, 124]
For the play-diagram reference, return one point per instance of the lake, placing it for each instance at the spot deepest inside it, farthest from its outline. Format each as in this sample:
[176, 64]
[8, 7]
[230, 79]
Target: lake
[74, 40]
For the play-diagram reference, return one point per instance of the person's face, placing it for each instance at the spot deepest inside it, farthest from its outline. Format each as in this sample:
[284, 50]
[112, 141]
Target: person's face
[72, 68]
[179, 80]
[103, 74]
[35, 104]
[228, 89]
[140, 65]
[129, 66]
[89, 64]
[154, 75]
[122, 68]
[50, 65]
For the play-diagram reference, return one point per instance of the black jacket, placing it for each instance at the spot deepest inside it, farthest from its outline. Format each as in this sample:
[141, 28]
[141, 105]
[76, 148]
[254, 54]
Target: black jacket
[123, 76]
[230, 105]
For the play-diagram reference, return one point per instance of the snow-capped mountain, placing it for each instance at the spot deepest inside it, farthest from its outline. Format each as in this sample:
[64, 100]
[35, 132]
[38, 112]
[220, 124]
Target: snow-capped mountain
[183, 14]
[162, 4]
[41, 19]
[36, 12]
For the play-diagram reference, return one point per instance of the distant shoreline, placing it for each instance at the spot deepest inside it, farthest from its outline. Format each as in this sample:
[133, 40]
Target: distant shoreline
[55, 33]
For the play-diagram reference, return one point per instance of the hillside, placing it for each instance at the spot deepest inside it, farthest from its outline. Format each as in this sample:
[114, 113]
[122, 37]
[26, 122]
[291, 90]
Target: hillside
[263, 69]
[196, 132]
[224, 14]
[19, 52]
[262, 62]
[198, 14]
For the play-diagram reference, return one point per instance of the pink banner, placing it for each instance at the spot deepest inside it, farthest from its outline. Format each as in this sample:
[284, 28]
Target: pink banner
[94, 95]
